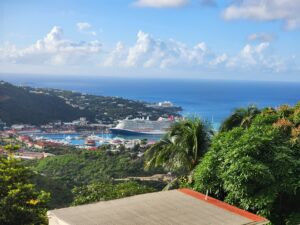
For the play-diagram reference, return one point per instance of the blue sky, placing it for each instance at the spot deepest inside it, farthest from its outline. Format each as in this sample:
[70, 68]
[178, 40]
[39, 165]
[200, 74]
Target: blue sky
[246, 39]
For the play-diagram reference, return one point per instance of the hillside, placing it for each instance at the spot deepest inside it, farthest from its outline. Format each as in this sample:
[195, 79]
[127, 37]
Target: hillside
[18, 105]
[42, 105]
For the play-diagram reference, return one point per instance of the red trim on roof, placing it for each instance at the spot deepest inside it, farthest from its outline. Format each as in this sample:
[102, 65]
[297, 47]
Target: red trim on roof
[223, 205]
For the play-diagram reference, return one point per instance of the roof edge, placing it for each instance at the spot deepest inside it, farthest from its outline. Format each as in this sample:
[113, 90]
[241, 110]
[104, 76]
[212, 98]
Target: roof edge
[224, 205]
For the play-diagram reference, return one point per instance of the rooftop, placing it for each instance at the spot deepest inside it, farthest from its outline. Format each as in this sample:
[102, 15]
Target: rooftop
[175, 207]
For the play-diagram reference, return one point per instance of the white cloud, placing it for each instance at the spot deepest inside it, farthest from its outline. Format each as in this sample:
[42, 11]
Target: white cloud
[258, 58]
[172, 3]
[116, 56]
[221, 59]
[150, 52]
[93, 33]
[52, 49]
[248, 56]
[266, 10]
[146, 54]
[83, 26]
[160, 3]
[252, 55]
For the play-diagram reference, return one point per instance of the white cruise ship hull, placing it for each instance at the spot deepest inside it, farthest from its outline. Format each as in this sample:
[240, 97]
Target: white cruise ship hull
[136, 132]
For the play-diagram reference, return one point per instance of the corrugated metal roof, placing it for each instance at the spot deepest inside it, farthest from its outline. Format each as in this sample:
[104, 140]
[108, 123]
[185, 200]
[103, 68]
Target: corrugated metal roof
[176, 207]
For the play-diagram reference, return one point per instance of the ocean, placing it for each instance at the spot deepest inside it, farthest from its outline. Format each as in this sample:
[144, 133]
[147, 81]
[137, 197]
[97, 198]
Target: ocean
[212, 100]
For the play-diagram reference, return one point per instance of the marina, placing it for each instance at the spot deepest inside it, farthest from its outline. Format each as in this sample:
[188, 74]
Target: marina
[98, 139]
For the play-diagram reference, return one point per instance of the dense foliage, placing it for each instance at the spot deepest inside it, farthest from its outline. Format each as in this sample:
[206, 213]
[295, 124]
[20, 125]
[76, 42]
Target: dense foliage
[43, 105]
[109, 109]
[20, 106]
[293, 219]
[20, 202]
[253, 162]
[182, 147]
[85, 167]
[107, 191]
[256, 167]
[241, 117]
[61, 194]
[73, 168]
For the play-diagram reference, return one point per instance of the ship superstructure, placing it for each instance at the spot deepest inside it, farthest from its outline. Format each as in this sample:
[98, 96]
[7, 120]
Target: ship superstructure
[143, 126]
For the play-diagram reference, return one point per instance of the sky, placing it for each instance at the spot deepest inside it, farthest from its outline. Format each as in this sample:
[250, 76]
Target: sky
[211, 39]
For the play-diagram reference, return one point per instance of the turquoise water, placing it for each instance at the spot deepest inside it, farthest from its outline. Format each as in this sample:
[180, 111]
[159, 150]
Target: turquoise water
[80, 142]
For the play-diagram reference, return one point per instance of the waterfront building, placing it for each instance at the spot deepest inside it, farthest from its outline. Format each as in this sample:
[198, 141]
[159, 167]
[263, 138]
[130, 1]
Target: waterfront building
[165, 104]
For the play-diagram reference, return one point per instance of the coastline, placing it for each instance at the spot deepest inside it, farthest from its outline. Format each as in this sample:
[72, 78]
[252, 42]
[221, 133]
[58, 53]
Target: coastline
[212, 100]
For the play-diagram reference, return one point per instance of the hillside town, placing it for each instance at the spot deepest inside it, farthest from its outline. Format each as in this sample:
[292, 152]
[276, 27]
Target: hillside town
[34, 140]
[108, 109]
[62, 118]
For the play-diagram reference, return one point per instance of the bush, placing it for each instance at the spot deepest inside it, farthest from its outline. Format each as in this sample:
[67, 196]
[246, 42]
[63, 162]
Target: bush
[107, 191]
[255, 168]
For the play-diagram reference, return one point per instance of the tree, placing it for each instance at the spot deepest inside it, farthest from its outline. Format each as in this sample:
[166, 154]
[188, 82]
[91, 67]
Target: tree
[241, 117]
[20, 203]
[182, 147]
[10, 149]
[85, 167]
[257, 168]
[107, 191]
[293, 219]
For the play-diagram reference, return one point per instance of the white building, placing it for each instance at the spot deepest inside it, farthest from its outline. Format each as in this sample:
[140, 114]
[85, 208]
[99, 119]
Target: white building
[165, 104]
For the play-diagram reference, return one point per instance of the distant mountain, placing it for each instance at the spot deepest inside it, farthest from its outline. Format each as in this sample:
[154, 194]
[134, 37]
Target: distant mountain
[39, 106]
[20, 105]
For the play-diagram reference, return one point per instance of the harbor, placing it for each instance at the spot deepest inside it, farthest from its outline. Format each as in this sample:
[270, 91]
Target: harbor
[94, 139]
[81, 134]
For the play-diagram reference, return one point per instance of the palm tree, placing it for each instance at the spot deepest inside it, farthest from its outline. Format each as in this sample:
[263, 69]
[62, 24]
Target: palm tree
[241, 117]
[182, 147]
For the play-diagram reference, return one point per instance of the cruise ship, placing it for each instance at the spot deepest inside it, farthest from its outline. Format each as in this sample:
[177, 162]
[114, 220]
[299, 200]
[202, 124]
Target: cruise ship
[141, 126]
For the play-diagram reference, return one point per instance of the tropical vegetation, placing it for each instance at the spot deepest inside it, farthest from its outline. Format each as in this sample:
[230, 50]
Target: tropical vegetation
[85, 167]
[44, 105]
[252, 162]
[20, 201]
[106, 191]
[82, 169]
[241, 117]
[182, 147]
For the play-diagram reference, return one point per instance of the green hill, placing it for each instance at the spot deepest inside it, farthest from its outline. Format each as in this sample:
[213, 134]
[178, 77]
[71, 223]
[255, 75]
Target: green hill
[19, 105]
[39, 106]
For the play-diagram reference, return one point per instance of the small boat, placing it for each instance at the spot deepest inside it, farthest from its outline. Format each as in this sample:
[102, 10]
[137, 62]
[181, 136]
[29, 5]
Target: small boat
[68, 138]
[94, 137]
[90, 142]
[38, 138]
